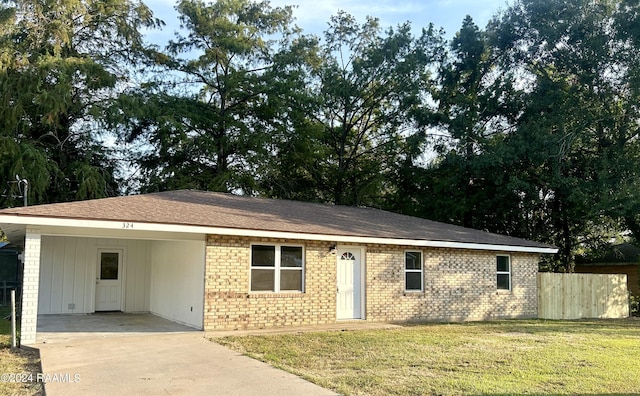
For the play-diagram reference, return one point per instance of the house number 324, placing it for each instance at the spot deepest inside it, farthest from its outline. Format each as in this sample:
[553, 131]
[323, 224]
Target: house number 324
[127, 225]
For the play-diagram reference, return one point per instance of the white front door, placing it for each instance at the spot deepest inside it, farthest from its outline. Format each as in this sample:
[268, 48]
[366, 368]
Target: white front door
[349, 299]
[109, 280]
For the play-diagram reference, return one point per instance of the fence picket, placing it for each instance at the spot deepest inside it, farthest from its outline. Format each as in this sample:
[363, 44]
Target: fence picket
[578, 296]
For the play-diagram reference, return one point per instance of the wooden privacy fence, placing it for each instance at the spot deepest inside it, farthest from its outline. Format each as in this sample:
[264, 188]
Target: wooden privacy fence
[578, 296]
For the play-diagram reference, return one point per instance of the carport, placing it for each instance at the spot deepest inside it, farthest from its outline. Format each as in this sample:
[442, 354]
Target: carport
[72, 270]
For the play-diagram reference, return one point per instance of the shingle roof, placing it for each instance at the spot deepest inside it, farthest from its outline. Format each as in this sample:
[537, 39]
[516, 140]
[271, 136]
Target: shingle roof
[209, 209]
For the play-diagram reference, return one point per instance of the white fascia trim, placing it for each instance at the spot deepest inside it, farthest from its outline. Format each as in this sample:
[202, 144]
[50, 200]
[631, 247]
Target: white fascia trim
[137, 226]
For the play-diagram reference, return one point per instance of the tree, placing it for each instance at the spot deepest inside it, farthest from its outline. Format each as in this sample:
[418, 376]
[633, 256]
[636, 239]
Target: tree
[474, 110]
[577, 133]
[59, 63]
[540, 124]
[364, 87]
[290, 166]
[207, 115]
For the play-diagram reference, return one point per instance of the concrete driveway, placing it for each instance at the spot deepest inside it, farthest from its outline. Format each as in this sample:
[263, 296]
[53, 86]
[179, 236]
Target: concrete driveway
[126, 354]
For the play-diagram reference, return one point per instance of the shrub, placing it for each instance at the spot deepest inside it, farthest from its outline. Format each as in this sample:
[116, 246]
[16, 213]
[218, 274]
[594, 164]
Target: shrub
[634, 305]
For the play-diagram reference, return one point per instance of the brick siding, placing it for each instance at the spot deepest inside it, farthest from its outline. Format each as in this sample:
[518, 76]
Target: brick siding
[30, 284]
[458, 285]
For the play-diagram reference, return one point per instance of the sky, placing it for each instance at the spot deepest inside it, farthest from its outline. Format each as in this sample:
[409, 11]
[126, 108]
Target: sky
[312, 15]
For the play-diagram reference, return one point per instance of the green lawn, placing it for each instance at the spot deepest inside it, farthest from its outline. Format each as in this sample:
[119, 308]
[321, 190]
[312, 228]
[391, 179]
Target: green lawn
[20, 361]
[506, 357]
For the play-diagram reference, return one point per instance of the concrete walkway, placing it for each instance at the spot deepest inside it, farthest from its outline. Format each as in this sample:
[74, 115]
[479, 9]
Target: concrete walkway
[95, 355]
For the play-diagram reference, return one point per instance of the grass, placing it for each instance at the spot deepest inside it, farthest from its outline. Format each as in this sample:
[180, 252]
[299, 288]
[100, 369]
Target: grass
[19, 361]
[506, 357]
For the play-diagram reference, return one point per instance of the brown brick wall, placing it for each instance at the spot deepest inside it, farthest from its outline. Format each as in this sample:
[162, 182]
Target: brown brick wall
[459, 285]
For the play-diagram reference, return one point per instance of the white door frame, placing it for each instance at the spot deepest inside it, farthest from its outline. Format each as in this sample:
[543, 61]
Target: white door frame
[121, 274]
[361, 282]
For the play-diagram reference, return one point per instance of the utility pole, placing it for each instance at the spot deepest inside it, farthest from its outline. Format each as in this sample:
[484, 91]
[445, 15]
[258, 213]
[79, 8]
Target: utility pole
[26, 189]
[23, 187]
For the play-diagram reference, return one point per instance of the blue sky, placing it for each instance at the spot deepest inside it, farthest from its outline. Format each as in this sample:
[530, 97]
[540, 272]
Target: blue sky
[313, 15]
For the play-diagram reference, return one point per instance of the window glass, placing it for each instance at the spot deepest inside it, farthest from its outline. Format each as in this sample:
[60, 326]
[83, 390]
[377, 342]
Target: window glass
[413, 260]
[503, 263]
[503, 282]
[503, 270]
[108, 266]
[263, 256]
[277, 268]
[291, 256]
[347, 256]
[413, 280]
[262, 279]
[291, 280]
[413, 271]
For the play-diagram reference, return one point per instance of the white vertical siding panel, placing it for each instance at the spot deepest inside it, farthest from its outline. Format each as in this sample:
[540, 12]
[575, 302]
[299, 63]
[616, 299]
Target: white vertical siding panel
[46, 276]
[128, 281]
[69, 270]
[136, 264]
[177, 281]
[134, 291]
[144, 274]
[69, 265]
[80, 276]
[90, 264]
[147, 276]
[135, 283]
[57, 283]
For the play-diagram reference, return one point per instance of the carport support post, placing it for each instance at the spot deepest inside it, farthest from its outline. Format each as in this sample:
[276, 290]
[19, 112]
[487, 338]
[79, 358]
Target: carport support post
[13, 319]
[30, 283]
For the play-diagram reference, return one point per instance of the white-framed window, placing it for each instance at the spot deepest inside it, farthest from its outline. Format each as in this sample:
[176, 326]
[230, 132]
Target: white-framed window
[277, 268]
[413, 271]
[503, 271]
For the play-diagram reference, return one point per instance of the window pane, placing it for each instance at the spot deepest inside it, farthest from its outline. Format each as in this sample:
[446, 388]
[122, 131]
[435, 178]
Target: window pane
[413, 281]
[291, 256]
[503, 263]
[413, 260]
[108, 266]
[347, 256]
[262, 279]
[291, 280]
[503, 282]
[263, 256]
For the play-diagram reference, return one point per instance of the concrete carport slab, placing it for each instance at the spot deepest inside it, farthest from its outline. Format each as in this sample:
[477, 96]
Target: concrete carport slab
[57, 328]
[153, 362]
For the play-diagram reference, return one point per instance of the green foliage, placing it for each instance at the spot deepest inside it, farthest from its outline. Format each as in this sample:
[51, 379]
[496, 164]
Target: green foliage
[475, 101]
[634, 305]
[59, 61]
[528, 127]
[362, 86]
[209, 121]
[537, 119]
[579, 123]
